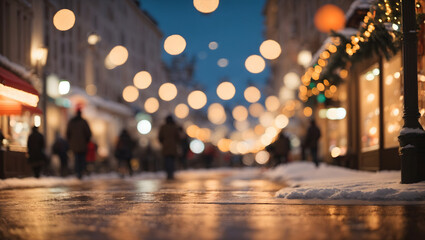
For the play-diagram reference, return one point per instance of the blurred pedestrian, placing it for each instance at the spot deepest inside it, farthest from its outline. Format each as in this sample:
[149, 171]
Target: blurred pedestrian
[184, 147]
[169, 137]
[78, 134]
[91, 156]
[37, 158]
[280, 149]
[124, 151]
[60, 147]
[312, 141]
[209, 155]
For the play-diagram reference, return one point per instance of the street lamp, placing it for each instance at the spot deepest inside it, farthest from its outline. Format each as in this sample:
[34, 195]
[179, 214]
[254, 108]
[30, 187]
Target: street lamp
[412, 136]
[40, 57]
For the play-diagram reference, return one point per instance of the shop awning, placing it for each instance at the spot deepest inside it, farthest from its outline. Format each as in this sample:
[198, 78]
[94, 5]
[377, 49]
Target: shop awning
[13, 87]
[7, 78]
[11, 107]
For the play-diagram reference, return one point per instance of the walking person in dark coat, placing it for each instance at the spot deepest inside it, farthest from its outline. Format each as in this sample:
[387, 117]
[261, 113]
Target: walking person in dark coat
[37, 158]
[169, 137]
[78, 134]
[280, 149]
[312, 141]
[184, 147]
[124, 150]
[60, 147]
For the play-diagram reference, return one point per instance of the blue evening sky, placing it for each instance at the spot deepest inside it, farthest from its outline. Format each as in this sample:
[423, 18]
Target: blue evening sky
[237, 27]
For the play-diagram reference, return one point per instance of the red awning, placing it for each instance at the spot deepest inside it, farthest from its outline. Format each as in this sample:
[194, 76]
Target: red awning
[7, 78]
[10, 107]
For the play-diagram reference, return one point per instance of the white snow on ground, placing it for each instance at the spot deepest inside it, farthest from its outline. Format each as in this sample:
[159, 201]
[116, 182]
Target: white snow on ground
[336, 183]
[229, 173]
[304, 180]
[11, 183]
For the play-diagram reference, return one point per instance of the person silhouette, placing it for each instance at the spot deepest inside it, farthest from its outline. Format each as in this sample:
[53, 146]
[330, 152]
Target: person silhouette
[169, 137]
[312, 140]
[280, 149]
[37, 158]
[124, 150]
[78, 134]
[60, 147]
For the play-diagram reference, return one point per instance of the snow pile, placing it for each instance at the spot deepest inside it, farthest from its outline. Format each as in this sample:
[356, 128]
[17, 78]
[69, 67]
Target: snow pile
[337, 183]
[30, 182]
[12, 183]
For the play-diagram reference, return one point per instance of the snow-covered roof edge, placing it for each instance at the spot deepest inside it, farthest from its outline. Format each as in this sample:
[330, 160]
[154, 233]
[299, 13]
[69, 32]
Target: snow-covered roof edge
[347, 32]
[103, 103]
[358, 4]
[21, 71]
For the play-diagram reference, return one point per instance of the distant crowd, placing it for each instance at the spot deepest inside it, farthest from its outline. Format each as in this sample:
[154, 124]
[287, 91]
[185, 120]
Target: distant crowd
[175, 151]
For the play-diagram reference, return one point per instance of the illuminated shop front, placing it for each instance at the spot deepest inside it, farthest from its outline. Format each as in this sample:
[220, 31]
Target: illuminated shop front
[373, 86]
[18, 113]
[106, 119]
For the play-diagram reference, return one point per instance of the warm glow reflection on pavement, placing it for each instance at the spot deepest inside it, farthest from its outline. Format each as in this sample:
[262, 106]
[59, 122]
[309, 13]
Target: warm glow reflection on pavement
[216, 207]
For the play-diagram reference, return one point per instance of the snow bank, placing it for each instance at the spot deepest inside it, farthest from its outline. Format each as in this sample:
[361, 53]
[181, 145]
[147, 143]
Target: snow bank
[228, 173]
[337, 183]
[12, 183]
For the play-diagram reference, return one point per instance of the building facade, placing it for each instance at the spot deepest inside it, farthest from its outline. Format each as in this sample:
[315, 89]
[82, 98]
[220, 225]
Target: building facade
[19, 87]
[74, 58]
[291, 24]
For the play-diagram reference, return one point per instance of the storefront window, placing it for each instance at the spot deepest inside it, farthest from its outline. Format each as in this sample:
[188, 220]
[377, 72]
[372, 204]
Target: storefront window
[393, 101]
[20, 129]
[337, 123]
[369, 108]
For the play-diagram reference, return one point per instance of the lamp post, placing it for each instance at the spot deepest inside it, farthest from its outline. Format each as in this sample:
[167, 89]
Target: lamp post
[40, 57]
[412, 136]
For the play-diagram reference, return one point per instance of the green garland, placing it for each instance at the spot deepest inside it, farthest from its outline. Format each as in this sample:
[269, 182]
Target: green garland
[384, 40]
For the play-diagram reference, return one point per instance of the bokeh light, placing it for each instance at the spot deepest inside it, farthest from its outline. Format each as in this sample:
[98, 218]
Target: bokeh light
[216, 113]
[255, 64]
[142, 80]
[144, 127]
[196, 146]
[197, 99]
[181, 111]
[226, 90]
[130, 94]
[252, 94]
[64, 19]
[167, 91]
[308, 111]
[292, 80]
[240, 113]
[206, 6]
[256, 109]
[93, 39]
[262, 157]
[118, 55]
[64, 87]
[272, 103]
[270, 49]
[304, 58]
[151, 105]
[241, 125]
[174, 44]
[223, 62]
[281, 121]
[329, 17]
[213, 45]
[91, 89]
[224, 144]
[335, 152]
[266, 119]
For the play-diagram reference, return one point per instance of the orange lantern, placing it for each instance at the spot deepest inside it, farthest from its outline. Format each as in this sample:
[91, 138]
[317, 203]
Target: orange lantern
[329, 17]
